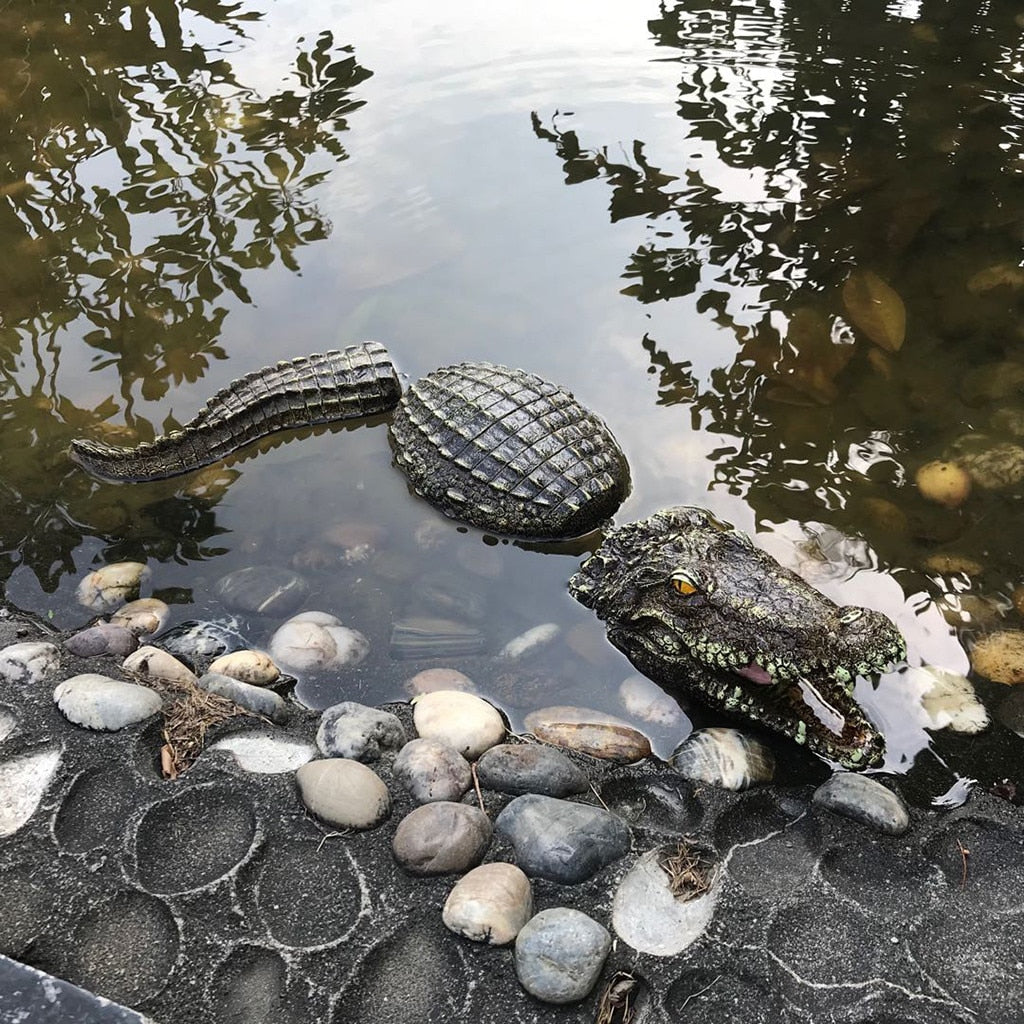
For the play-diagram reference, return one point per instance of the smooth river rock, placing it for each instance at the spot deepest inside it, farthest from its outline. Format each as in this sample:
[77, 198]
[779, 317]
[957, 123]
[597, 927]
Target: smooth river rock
[28, 663]
[112, 585]
[98, 702]
[143, 617]
[344, 793]
[256, 699]
[100, 639]
[430, 770]
[726, 758]
[489, 904]
[590, 732]
[23, 781]
[862, 799]
[317, 642]
[519, 768]
[462, 720]
[441, 838]
[562, 841]
[254, 667]
[355, 730]
[155, 665]
[560, 953]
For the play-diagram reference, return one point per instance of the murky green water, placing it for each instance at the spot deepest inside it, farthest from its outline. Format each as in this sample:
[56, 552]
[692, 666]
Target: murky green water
[710, 220]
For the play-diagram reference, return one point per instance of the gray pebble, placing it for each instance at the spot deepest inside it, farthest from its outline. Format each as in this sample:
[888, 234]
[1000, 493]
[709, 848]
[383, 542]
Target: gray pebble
[529, 768]
[562, 841]
[263, 590]
[194, 639]
[355, 730]
[99, 702]
[28, 663]
[560, 953]
[441, 838]
[257, 699]
[431, 770]
[864, 800]
[102, 638]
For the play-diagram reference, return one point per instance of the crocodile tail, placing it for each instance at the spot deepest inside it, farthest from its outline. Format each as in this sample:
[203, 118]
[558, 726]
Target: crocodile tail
[348, 384]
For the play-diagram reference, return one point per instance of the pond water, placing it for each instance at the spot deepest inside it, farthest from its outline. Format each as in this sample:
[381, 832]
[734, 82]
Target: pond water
[777, 246]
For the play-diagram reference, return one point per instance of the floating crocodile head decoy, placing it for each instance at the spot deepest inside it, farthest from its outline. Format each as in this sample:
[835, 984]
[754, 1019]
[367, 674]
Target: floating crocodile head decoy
[691, 602]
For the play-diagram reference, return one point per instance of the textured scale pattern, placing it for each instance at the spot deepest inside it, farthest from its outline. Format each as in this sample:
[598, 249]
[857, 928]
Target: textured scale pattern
[508, 451]
[343, 384]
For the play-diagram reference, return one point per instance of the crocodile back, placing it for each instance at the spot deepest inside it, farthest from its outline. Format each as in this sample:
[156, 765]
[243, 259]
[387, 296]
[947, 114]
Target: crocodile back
[508, 452]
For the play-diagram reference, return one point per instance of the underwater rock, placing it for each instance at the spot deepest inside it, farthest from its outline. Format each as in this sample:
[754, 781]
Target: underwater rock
[112, 585]
[421, 636]
[253, 698]
[262, 590]
[726, 758]
[195, 640]
[1000, 657]
[647, 701]
[143, 617]
[431, 679]
[316, 641]
[531, 642]
[949, 700]
[946, 483]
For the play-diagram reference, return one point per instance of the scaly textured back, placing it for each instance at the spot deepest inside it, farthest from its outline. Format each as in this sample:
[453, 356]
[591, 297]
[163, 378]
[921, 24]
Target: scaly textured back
[507, 451]
[351, 383]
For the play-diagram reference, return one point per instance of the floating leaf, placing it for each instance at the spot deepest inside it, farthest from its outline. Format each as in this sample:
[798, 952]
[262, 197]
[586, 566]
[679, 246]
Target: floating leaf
[876, 309]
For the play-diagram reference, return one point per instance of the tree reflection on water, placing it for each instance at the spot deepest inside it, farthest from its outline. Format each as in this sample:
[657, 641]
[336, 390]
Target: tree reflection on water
[876, 148]
[142, 183]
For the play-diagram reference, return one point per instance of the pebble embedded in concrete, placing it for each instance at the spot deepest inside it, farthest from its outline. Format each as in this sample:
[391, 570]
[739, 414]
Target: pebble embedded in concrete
[256, 699]
[100, 639]
[520, 768]
[864, 800]
[112, 585]
[726, 758]
[28, 663]
[354, 730]
[98, 702]
[559, 954]
[441, 838]
[155, 665]
[143, 617]
[431, 679]
[254, 667]
[562, 841]
[590, 732]
[462, 720]
[489, 904]
[343, 793]
[430, 770]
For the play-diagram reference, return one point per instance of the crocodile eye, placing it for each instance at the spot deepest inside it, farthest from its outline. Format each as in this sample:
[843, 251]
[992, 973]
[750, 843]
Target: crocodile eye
[848, 615]
[683, 583]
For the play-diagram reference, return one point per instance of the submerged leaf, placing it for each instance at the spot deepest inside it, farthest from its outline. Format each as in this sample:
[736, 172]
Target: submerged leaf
[875, 308]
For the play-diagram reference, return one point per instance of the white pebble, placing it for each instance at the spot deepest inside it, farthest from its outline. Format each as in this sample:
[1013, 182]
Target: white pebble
[28, 663]
[315, 641]
[530, 642]
[143, 617]
[462, 720]
[647, 701]
[23, 781]
[99, 702]
[949, 701]
[263, 754]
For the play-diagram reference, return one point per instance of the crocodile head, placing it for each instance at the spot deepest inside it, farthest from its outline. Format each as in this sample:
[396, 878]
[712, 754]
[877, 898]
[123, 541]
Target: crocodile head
[692, 603]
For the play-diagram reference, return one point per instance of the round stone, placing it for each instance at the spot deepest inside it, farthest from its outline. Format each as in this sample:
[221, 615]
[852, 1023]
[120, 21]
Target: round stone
[316, 641]
[253, 698]
[143, 617]
[99, 702]
[489, 904]
[262, 590]
[441, 838]
[531, 642]
[253, 667]
[358, 542]
[562, 841]
[343, 793]
[431, 679]
[946, 483]
[726, 758]
[560, 953]
[864, 800]
[647, 701]
[949, 700]
[112, 585]
[530, 768]
[462, 720]
[354, 730]
[1000, 657]
[590, 732]
[100, 639]
[431, 770]
[194, 639]
[28, 663]
[154, 665]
